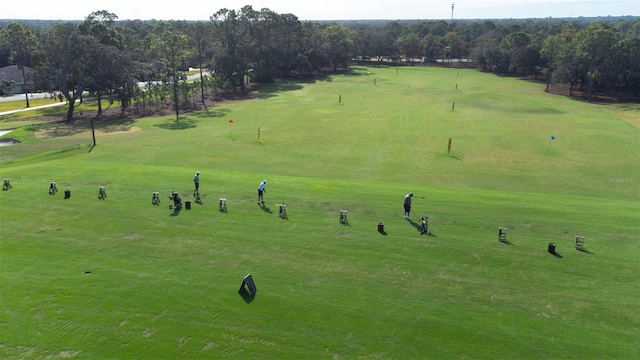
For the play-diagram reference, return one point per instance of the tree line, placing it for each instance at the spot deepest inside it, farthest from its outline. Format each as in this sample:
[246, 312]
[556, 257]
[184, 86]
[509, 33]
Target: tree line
[111, 58]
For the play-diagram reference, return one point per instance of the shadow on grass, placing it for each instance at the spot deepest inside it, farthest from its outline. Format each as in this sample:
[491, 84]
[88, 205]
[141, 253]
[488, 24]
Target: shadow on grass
[212, 112]
[556, 254]
[291, 84]
[265, 209]
[419, 228]
[64, 128]
[415, 225]
[55, 110]
[176, 211]
[55, 129]
[507, 242]
[628, 107]
[585, 251]
[272, 90]
[455, 157]
[354, 71]
[182, 124]
[110, 126]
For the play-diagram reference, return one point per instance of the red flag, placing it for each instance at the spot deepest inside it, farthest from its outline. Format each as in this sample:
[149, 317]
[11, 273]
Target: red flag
[230, 121]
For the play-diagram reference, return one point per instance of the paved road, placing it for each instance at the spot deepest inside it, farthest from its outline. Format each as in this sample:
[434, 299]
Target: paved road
[20, 97]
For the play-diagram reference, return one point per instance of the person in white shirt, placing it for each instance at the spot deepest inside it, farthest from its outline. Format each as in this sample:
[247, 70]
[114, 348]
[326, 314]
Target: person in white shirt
[261, 191]
[196, 181]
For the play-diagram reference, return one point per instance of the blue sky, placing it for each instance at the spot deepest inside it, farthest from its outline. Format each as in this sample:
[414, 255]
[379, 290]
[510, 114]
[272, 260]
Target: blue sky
[324, 9]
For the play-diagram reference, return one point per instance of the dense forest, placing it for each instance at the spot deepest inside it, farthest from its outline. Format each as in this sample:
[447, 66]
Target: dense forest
[107, 57]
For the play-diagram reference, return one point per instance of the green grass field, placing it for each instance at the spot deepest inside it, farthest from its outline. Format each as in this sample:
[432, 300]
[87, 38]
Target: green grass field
[120, 278]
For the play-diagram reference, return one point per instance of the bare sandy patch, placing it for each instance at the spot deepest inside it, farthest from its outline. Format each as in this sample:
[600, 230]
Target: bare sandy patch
[66, 130]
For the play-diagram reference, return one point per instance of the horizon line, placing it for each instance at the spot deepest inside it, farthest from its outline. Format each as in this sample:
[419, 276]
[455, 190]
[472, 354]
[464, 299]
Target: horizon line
[398, 19]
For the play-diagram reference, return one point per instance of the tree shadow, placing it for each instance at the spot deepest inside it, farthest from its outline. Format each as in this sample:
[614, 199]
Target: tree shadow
[352, 72]
[64, 128]
[178, 125]
[60, 110]
[296, 83]
[56, 129]
[215, 113]
[273, 89]
[109, 126]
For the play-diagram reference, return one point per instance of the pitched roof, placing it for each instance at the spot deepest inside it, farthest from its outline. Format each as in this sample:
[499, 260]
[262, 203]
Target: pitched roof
[13, 73]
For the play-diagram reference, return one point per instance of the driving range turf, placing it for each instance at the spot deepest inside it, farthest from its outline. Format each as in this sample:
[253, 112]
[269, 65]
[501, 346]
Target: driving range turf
[121, 278]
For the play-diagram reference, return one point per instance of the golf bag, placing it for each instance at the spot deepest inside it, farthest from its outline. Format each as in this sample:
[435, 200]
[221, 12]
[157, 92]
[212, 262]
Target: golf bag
[424, 223]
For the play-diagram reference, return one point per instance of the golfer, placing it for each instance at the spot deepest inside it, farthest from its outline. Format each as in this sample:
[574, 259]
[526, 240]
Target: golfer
[261, 191]
[407, 206]
[196, 182]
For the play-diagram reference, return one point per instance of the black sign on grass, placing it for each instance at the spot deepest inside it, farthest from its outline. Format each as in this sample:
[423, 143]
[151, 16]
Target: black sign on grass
[248, 286]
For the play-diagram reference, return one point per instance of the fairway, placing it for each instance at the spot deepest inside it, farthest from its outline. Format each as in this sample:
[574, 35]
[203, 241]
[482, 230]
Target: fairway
[120, 278]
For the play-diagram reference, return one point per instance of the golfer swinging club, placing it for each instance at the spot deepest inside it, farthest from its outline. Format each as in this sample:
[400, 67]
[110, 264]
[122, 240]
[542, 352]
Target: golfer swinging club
[407, 206]
[261, 191]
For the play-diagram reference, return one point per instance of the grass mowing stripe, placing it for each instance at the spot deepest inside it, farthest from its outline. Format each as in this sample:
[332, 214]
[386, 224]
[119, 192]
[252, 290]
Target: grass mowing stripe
[120, 278]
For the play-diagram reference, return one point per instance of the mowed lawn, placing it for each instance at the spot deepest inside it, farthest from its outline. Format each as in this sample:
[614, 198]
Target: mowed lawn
[120, 278]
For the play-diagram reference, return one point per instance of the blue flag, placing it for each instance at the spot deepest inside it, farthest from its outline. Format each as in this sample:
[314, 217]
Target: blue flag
[553, 137]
